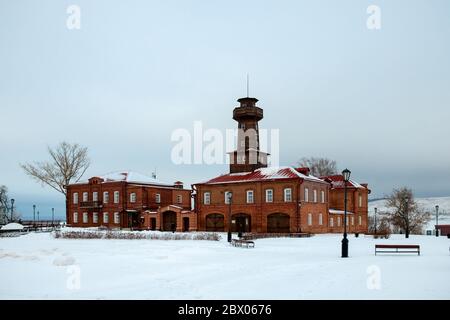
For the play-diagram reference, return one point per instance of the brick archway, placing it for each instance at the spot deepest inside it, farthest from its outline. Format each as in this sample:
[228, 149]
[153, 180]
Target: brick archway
[215, 222]
[242, 222]
[278, 223]
[169, 221]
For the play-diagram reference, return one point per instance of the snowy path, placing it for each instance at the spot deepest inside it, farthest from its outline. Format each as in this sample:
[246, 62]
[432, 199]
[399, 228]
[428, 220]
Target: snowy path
[36, 266]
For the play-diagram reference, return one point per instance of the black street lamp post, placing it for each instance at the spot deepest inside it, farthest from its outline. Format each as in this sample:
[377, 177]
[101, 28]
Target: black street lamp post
[437, 220]
[12, 209]
[34, 214]
[38, 216]
[53, 216]
[346, 174]
[229, 197]
[375, 220]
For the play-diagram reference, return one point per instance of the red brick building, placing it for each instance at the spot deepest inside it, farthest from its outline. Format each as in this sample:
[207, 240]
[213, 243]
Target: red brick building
[357, 205]
[269, 200]
[274, 200]
[132, 201]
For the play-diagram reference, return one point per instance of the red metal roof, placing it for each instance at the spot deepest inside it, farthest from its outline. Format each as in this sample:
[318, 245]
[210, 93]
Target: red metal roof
[272, 173]
[337, 181]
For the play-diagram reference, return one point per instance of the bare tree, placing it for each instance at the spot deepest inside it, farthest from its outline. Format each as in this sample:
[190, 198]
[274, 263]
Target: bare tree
[319, 167]
[5, 207]
[405, 213]
[68, 162]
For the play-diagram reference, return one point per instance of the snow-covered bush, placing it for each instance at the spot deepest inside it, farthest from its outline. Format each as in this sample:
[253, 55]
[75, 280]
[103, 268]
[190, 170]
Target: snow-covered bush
[134, 235]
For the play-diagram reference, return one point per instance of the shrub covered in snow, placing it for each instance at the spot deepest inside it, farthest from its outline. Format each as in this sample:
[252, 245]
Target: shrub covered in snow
[134, 235]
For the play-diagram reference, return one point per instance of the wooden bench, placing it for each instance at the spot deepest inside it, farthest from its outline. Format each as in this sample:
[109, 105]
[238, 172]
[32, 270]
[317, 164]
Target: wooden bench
[242, 243]
[397, 248]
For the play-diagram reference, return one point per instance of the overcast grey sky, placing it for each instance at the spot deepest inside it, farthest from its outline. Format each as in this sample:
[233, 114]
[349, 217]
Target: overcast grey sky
[376, 101]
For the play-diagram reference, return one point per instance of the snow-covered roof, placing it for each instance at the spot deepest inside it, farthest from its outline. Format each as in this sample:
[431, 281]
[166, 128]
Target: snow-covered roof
[130, 177]
[12, 226]
[261, 174]
[337, 181]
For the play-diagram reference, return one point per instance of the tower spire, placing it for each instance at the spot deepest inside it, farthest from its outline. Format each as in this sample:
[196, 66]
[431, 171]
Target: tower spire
[248, 85]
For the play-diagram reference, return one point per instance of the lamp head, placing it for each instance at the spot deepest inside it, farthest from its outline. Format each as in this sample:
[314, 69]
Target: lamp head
[346, 174]
[437, 207]
[12, 201]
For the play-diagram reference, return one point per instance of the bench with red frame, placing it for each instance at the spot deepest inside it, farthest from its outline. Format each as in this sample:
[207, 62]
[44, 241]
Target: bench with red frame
[397, 248]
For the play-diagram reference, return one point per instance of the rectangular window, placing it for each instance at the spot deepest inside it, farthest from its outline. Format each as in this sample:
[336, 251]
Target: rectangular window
[249, 196]
[158, 198]
[132, 197]
[339, 221]
[94, 196]
[269, 195]
[360, 201]
[360, 220]
[75, 198]
[227, 201]
[306, 195]
[322, 196]
[105, 217]
[116, 218]
[75, 217]
[95, 217]
[331, 222]
[85, 217]
[116, 196]
[320, 219]
[207, 198]
[309, 219]
[85, 196]
[353, 221]
[179, 198]
[105, 197]
[315, 195]
[287, 195]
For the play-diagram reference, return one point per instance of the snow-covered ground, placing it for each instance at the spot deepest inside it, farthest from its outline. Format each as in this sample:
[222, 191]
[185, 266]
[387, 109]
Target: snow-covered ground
[37, 266]
[428, 204]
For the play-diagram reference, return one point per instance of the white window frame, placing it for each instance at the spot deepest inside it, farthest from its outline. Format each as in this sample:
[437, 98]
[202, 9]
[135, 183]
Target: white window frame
[331, 222]
[250, 196]
[95, 196]
[226, 197]
[95, 217]
[310, 219]
[179, 199]
[287, 194]
[360, 220]
[306, 195]
[353, 220]
[116, 196]
[360, 200]
[133, 197]
[75, 217]
[315, 195]
[207, 197]
[85, 196]
[322, 195]
[320, 219]
[338, 221]
[158, 198]
[116, 218]
[105, 197]
[269, 195]
[75, 198]
[105, 217]
[85, 217]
